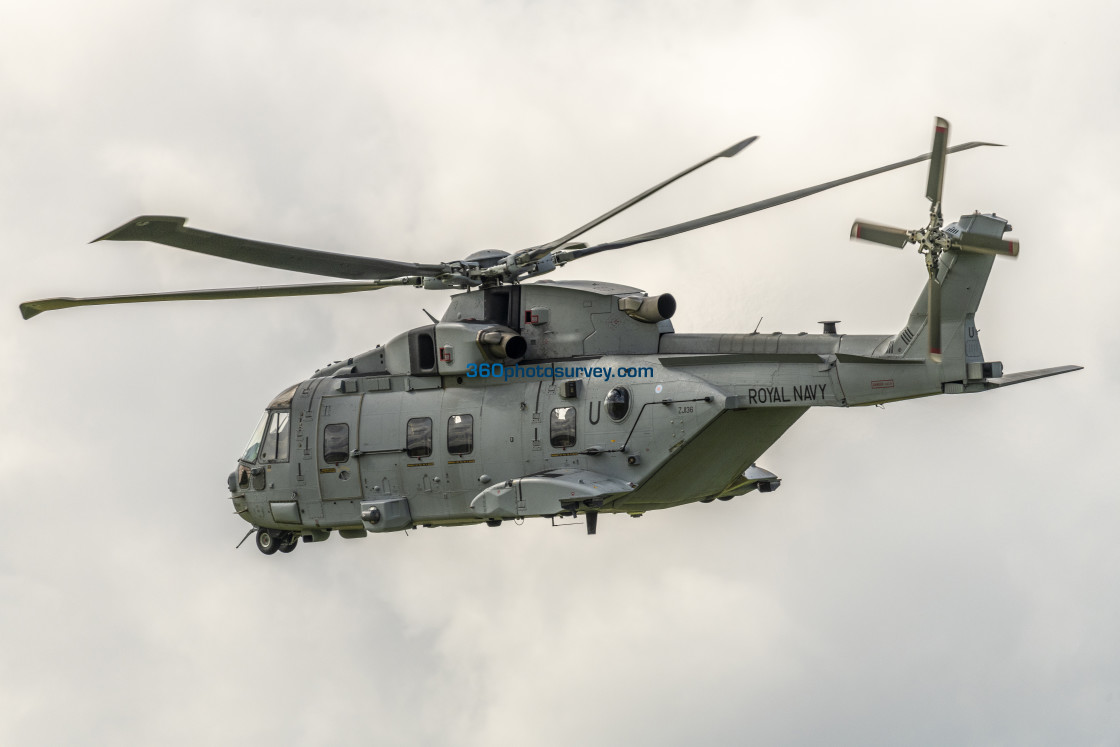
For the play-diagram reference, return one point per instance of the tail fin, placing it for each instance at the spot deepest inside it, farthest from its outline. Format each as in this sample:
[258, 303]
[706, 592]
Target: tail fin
[962, 276]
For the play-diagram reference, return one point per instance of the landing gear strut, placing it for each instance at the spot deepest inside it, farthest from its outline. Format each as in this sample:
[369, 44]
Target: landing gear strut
[289, 542]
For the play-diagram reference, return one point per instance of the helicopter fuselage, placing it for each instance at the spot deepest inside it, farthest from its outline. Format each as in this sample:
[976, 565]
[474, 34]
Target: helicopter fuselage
[559, 399]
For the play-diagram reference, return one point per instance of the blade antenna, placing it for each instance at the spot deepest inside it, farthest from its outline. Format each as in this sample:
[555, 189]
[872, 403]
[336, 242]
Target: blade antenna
[242, 542]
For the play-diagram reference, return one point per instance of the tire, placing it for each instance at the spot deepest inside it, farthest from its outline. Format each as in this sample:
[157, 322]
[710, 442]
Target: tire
[289, 542]
[266, 542]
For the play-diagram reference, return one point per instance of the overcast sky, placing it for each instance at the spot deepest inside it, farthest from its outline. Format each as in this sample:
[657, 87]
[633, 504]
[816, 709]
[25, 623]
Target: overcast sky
[943, 571]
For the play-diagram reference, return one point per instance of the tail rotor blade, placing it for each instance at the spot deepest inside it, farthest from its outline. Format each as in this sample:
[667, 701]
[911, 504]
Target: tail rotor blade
[979, 244]
[937, 162]
[889, 235]
[934, 319]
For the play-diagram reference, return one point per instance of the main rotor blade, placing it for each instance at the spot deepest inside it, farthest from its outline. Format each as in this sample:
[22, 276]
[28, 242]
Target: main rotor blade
[937, 163]
[34, 308]
[169, 230]
[530, 255]
[971, 242]
[755, 207]
[889, 235]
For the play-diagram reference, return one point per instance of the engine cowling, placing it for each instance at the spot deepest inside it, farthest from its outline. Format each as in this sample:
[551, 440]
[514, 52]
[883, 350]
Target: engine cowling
[649, 309]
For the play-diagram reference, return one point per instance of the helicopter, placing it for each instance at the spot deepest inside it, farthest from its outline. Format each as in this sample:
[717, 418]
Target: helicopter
[561, 399]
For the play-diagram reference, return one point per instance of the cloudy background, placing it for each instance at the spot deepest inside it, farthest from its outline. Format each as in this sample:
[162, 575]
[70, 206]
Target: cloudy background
[943, 571]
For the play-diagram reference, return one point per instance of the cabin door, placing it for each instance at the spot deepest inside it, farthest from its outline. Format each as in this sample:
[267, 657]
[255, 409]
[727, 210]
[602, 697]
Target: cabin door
[381, 445]
[339, 474]
[465, 444]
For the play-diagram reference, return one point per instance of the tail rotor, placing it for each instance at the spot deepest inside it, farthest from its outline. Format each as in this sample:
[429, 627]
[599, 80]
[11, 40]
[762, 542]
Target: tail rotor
[977, 233]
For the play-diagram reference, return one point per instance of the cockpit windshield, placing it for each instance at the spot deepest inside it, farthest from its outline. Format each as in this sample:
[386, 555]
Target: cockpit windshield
[254, 444]
[270, 441]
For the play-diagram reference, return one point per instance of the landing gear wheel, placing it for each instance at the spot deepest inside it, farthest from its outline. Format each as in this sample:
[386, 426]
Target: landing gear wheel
[289, 543]
[267, 542]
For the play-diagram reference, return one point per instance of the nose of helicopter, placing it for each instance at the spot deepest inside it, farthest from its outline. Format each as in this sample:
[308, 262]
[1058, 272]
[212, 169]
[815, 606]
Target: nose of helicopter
[239, 480]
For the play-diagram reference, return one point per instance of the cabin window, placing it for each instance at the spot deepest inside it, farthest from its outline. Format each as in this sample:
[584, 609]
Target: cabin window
[336, 443]
[460, 434]
[418, 437]
[275, 445]
[562, 427]
[617, 403]
[254, 446]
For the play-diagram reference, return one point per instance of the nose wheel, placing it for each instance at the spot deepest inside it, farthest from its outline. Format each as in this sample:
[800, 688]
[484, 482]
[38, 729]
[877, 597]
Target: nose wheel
[271, 540]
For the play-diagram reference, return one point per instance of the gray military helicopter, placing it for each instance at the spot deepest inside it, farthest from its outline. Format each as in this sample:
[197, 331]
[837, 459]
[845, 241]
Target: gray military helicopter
[559, 399]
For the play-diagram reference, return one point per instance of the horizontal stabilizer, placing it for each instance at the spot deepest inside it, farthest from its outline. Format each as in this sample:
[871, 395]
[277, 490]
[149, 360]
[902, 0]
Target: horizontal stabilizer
[1019, 378]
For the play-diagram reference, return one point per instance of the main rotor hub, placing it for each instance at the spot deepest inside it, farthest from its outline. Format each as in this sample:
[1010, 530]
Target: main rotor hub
[485, 258]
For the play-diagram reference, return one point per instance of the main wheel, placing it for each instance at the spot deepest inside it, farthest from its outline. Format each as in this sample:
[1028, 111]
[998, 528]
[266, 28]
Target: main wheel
[290, 542]
[266, 542]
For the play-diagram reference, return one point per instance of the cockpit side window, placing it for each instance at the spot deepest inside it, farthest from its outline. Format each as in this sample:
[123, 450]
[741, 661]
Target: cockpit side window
[254, 445]
[276, 437]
